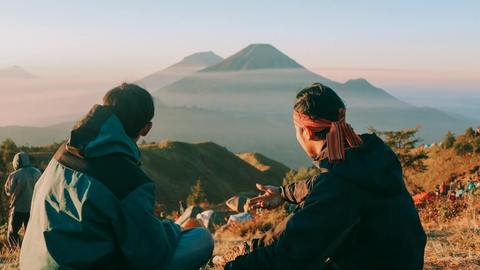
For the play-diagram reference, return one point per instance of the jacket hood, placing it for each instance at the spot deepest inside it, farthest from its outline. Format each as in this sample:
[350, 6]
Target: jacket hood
[21, 160]
[372, 166]
[101, 133]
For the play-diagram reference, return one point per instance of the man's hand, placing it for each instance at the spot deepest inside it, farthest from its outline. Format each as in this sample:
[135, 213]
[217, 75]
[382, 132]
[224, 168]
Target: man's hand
[270, 199]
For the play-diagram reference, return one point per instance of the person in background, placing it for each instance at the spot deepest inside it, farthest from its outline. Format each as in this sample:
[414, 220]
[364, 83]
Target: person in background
[460, 190]
[94, 207]
[470, 185]
[437, 190]
[357, 214]
[451, 186]
[452, 195]
[444, 189]
[19, 188]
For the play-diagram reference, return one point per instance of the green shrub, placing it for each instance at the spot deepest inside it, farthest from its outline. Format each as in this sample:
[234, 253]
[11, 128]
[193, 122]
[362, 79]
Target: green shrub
[470, 133]
[477, 145]
[449, 140]
[463, 148]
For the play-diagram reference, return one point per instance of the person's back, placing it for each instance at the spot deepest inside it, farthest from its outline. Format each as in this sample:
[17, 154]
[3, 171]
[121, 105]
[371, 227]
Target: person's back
[94, 207]
[20, 183]
[19, 188]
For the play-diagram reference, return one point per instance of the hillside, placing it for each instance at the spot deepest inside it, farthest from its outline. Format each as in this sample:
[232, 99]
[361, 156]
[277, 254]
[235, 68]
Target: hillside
[36, 135]
[445, 165]
[175, 166]
[270, 168]
[185, 67]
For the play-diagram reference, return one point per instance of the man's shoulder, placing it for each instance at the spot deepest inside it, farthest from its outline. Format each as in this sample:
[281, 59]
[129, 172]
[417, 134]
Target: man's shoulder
[16, 173]
[117, 172]
[33, 170]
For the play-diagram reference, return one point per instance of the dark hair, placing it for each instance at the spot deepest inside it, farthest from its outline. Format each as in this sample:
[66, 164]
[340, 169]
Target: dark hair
[132, 104]
[319, 101]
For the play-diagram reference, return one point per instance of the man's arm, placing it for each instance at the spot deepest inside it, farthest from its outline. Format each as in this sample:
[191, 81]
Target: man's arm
[313, 232]
[274, 196]
[145, 241]
[10, 185]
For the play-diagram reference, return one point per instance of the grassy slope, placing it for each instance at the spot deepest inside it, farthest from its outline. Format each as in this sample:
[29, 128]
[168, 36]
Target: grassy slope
[441, 165]
[175, 167]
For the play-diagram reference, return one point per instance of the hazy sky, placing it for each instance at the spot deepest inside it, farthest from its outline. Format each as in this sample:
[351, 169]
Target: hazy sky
[131, 38]
[405, 47]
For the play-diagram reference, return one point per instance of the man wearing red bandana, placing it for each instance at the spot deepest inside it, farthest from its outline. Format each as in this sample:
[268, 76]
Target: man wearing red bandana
[357, 214]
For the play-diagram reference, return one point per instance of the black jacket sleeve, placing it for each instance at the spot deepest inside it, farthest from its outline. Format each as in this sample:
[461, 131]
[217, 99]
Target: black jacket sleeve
[330, 211]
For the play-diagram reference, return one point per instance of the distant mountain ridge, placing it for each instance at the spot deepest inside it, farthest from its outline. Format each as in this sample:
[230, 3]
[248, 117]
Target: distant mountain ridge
[262, 80]
[188, 65]
[249, 110]
[263, 70]
[15, 72]
[199, 59]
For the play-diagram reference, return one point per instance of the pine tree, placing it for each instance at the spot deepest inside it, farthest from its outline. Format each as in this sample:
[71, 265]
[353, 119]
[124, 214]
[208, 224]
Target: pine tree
[197, 194]
[463, 148]
[8, 149]
[403, 143]
[449, 140]
[470, 133]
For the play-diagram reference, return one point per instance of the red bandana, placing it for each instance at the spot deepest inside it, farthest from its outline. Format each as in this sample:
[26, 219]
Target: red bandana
[339, 132]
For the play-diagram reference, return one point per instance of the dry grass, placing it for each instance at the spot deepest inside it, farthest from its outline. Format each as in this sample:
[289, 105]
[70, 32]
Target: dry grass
[453, 237]
[441, 165]
[453, 232]
[9, 258]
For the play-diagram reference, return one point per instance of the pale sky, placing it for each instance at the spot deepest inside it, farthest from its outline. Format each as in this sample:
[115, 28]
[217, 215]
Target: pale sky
[131, 38]
[404, 46]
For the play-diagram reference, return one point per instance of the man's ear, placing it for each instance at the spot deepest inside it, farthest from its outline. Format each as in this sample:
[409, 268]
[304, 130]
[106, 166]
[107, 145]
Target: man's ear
[307, 135]
[144, 131]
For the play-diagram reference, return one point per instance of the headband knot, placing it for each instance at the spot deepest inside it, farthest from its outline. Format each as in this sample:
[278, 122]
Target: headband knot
[339, 133]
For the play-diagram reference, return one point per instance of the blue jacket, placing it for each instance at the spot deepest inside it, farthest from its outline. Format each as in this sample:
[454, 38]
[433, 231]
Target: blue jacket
[93, 207]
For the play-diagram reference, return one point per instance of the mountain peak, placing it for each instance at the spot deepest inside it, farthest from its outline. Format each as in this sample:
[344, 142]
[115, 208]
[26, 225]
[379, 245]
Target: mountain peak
[360, 82]
[202, 59]
[254, 57]
[175, 72]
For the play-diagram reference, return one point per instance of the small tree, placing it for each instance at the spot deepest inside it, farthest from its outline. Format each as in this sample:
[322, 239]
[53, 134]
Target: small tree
[403, 143]
[197, 195]
[470, 133]
[463, 148]
[8, 149]
[477, 145]
[449, 140]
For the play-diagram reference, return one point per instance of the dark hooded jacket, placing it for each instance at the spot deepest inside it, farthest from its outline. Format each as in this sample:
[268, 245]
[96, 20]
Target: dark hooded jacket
[20, 183]
[93, 208]
[357, 215]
